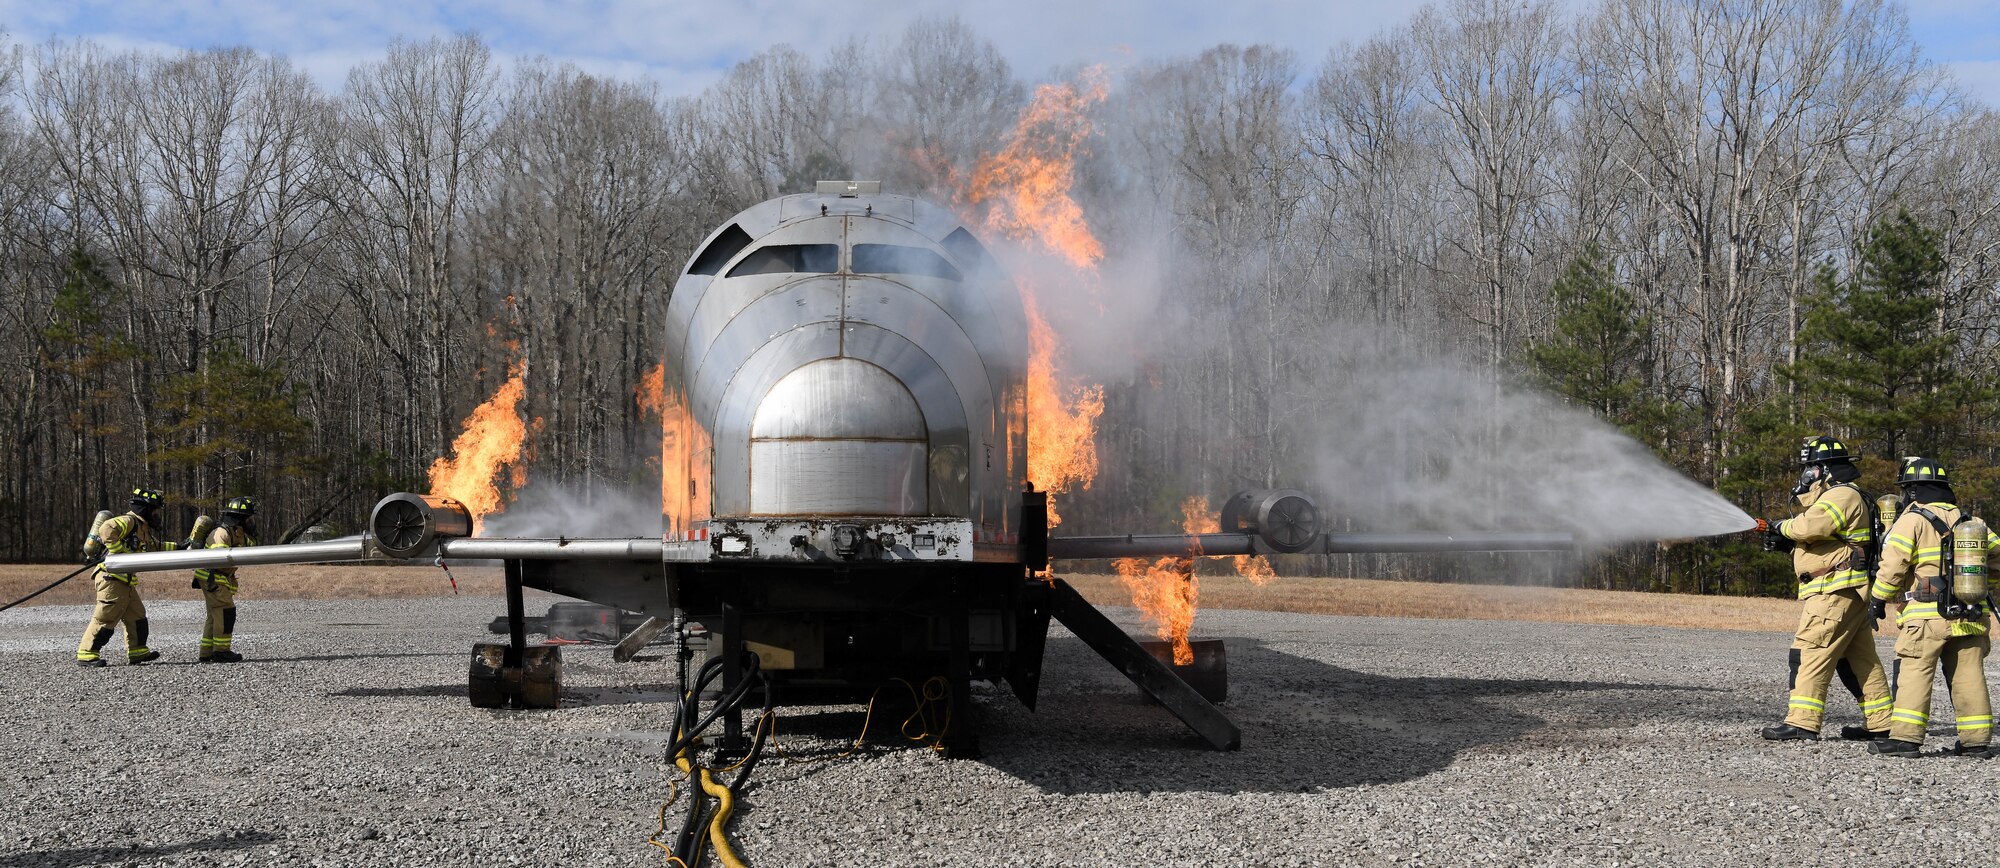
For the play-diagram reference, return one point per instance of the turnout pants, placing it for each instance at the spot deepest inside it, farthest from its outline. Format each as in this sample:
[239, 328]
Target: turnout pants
[1924, 645]
[221, 624]
[117, 603]
[1833, 629]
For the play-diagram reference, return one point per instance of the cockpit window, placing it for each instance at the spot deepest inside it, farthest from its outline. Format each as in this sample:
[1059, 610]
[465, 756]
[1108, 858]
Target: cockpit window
[726, 245]
[897, 259]
[790, 259]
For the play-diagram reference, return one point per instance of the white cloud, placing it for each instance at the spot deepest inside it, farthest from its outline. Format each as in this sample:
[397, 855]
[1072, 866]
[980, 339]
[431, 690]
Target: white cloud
[685, 44]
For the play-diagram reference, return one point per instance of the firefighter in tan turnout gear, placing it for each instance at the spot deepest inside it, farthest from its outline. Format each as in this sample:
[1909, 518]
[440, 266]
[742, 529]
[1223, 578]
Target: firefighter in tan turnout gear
[118, 593]
[1829, 542]
[218, 587]
[1934, 562]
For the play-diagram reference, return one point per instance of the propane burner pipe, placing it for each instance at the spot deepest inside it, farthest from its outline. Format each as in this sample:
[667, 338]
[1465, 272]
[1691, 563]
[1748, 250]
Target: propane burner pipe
[1224, 544]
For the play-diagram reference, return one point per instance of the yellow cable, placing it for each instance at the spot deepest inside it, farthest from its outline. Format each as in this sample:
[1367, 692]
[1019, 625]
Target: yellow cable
[935, 689]
[673, 792]
[866, 720]
[726, 803]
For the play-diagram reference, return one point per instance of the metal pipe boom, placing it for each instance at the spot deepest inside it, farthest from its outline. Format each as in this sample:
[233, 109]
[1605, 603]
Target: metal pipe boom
[331, 551]
[1224, 544]
[622, 549]
[361, 549]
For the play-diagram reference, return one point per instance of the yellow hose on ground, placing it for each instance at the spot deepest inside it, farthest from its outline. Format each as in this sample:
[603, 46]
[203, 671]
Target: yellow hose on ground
[726, 803]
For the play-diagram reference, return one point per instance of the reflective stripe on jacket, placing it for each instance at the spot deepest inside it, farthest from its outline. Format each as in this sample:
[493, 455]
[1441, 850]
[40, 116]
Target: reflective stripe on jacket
[224, 538]
[124, 535]
[1834, 526]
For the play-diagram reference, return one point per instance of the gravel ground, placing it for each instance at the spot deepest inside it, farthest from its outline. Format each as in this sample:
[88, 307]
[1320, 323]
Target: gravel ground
[346, 740]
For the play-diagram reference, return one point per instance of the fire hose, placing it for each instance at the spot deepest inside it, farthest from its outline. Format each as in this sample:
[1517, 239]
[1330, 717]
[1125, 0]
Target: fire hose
[713, 819]
[48, 587]
[706, 823]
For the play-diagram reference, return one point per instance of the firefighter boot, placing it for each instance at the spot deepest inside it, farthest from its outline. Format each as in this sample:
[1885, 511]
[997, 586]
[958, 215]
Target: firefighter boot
[1894, 747]
[1973, 751]
[1851, 732]
[1788, 732]
[88, 656]
[135, 636]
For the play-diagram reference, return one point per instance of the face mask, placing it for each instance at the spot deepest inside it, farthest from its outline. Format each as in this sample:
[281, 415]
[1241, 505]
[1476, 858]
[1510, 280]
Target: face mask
[1807, 478]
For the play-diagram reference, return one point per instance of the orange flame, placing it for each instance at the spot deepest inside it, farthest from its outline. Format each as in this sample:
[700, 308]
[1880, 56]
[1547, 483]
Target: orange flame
[1026, 191]
[651, 396]
[1062, 413]
[1201, 519]
[1167, 590]
[492, 440]
[1027, 183]
[651, 393]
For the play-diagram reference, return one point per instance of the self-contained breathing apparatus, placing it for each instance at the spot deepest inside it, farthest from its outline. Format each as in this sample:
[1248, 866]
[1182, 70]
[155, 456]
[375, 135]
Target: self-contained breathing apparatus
[1960, 586]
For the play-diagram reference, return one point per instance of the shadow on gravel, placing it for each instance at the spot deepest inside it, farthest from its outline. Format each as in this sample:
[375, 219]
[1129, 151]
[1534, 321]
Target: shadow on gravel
[454, 690]
[584, 697]
[107, 854]
[323, 658]
[1306, 725]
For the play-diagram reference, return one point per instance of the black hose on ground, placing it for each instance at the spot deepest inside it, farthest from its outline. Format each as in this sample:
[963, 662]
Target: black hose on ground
[48, 587]
[690, 844]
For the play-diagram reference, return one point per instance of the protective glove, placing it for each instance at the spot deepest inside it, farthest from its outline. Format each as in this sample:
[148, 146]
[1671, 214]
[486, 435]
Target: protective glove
[195, 583]
[91, 560]
[1878, 608]
[1774, 539]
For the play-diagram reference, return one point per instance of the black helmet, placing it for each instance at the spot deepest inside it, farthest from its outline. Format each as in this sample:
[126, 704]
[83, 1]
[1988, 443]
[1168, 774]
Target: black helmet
[1916, 469]
[147, 499]
[1822, 450]
[244, 506]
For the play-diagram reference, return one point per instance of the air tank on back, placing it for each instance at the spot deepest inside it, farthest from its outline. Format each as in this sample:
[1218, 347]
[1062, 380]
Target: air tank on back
[844, 381]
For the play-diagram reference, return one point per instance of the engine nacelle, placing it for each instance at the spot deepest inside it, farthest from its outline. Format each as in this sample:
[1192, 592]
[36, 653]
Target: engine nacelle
[1284, 519]
[406, 525]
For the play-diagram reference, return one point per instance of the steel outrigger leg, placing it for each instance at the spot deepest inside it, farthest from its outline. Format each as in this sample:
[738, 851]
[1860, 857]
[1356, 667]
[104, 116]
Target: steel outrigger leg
[1149, 673]
[733, 743]
[961, 734]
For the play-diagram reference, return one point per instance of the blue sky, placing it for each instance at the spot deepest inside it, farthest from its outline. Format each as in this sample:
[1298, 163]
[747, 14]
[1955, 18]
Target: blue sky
[686, 45]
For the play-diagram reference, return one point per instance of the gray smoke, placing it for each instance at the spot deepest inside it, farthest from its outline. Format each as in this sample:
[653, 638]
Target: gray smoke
[1406, 439]
[550, 508]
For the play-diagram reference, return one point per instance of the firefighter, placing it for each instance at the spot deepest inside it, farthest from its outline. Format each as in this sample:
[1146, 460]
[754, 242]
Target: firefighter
[1829, 544]
[1935, 627]
[218, 587]
[118, 593]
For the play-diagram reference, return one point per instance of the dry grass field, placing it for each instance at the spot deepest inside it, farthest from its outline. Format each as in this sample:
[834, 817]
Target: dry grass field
[314, 582]
[1315, 596]
[1332, 596]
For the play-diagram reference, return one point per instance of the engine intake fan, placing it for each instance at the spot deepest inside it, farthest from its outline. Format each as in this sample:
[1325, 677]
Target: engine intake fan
[1283, 518]
[406, 525]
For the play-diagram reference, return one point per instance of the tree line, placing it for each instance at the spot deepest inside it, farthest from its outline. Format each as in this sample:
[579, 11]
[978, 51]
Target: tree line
[1717, 224]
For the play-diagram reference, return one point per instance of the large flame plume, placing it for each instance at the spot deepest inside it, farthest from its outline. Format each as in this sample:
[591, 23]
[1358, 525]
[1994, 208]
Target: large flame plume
[1167, 590]
[651, 397]
[1026, 191]
[492, 442]
[683, 447]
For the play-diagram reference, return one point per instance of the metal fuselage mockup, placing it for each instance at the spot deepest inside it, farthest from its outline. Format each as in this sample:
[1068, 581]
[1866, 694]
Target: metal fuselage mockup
[844, 456]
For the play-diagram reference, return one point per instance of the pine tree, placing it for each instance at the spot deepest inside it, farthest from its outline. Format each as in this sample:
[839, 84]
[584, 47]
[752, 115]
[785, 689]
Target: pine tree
[81, 350]
[239, 420]
[1596, 358]
[1875, 365]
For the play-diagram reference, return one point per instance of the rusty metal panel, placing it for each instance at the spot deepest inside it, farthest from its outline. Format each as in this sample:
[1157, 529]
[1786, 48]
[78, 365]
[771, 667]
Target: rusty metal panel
[536, 683]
